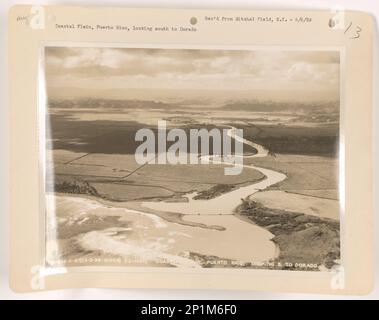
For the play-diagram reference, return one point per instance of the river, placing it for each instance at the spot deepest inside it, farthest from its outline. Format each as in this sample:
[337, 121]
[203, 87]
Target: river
[227, 202]
[153, 239]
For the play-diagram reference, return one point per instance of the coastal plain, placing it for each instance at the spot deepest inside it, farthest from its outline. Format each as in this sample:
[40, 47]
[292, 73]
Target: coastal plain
[105, 205]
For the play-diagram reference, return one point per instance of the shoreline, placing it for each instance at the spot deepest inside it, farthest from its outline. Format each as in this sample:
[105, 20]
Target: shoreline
[136, 206]
[283, 244]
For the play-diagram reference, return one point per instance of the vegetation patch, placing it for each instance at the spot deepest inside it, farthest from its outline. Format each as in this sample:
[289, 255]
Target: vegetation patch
[214, 191]
[302, 239]
[76, 187]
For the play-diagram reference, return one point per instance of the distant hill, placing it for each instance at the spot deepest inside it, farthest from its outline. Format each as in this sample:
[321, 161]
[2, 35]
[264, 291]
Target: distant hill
[290, 106]
[107, 103]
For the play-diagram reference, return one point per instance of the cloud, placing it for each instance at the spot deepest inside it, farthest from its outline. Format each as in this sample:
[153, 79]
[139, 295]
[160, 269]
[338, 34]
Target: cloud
[191, 69]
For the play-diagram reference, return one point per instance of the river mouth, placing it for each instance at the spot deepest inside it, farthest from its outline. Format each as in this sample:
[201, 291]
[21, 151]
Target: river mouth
[207, 228]
[152, 240]
[220, 211]
[240, 240]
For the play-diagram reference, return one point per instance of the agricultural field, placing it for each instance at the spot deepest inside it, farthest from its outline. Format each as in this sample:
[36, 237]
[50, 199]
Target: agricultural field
[120, 178]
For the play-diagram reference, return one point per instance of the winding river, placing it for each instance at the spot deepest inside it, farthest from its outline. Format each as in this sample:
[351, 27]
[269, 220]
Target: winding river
[153, 239]
[225, 203]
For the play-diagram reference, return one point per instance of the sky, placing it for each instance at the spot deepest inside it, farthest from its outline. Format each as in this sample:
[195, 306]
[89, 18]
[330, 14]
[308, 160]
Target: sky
[110, 69]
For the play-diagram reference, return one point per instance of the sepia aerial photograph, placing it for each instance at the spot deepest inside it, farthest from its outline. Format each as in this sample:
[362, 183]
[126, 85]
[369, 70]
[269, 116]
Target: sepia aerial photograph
[192, 158]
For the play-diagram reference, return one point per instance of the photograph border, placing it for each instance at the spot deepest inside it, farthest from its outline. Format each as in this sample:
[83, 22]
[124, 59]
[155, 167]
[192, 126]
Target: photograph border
[43, 100]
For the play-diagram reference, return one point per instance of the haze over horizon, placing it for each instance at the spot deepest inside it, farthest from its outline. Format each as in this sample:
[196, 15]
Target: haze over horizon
[158, 74]
[199, 95]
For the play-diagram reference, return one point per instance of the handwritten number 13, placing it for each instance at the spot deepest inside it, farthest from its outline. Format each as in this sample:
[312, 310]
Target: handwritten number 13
[358, 30]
